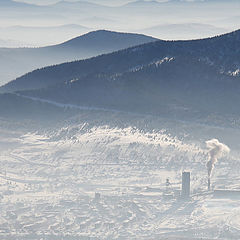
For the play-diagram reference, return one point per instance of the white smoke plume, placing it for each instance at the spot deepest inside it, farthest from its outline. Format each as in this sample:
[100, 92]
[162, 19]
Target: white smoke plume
[216, 150]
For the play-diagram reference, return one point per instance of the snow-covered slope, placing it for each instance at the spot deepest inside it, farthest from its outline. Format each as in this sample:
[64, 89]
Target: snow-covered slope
[49, 180]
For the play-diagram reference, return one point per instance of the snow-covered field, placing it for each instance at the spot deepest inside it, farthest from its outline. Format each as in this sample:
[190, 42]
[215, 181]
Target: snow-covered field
[102, 176]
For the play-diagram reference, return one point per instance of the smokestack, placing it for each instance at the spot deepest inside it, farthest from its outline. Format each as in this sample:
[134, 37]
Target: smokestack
[185, 184]
[215, 151]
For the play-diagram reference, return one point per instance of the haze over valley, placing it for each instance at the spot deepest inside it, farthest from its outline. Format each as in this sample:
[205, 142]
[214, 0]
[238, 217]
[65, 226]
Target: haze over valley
[23, 60]
[37, 25]
[119, 119]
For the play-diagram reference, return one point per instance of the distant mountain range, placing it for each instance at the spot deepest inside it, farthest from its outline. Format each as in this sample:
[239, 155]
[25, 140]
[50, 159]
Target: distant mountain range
[183, 31]
[131, 17]
[23, 60]
[36, 28]
[189, 78]
[78, 4]
[22, 4]
[17, 4]
[42, 35]
[142, 3]
[10, 43]
[119, 2]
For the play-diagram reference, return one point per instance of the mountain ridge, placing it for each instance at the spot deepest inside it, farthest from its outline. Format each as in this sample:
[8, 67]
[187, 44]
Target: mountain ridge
[182, 46]
[192, 78]
[85, 46]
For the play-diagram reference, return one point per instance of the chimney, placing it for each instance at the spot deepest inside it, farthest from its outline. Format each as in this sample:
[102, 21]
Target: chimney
[185, 184]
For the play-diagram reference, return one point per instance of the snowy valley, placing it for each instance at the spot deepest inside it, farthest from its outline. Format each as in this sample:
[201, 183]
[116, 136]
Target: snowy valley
[101, 175]
[107, 133]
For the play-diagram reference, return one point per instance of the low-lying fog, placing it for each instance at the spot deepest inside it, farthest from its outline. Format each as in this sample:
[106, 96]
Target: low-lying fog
[102, 175]
[87, 172]
[44, 25]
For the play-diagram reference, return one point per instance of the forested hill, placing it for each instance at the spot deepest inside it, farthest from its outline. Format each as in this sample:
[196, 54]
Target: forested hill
[23, 60]
[187, 76]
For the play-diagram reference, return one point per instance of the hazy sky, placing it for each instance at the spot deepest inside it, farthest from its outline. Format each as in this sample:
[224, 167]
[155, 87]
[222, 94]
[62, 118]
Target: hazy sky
[47, 26]
[105, 2]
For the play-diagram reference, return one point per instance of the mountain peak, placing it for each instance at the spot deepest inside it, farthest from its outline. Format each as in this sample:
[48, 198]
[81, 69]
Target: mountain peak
[82, 47]
[109, 39]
